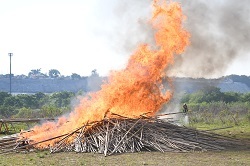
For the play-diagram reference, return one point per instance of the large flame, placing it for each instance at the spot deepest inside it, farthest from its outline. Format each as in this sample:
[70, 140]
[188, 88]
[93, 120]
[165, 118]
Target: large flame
[135, 90]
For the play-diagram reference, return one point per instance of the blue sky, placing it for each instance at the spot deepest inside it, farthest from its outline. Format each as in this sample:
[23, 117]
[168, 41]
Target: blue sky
[73, 36]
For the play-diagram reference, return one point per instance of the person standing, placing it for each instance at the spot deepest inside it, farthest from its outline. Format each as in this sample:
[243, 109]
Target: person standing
[185, 108]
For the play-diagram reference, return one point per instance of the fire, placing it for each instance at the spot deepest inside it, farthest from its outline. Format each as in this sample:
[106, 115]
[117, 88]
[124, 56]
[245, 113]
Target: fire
[132, 91]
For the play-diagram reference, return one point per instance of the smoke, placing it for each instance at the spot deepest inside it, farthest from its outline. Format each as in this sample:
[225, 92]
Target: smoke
[133, 19]
[220, 33]
[94, 83]
[124, 24]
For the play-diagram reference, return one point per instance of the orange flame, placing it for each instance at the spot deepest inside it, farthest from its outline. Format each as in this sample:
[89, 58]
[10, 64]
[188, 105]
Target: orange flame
[135, 90]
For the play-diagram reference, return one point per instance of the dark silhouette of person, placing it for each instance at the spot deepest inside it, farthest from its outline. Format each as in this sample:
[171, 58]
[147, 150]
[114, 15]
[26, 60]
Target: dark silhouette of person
[185, 108]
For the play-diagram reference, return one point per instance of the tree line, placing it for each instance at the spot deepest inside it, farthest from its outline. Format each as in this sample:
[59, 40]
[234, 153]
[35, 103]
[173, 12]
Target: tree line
[210, 105]
[209, 99]
[38, 105]
[53, 73]
[213, 94]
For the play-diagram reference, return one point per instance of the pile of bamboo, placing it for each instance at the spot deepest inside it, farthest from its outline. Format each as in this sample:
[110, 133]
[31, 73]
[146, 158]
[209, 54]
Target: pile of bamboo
[111, 136]
[120, 135]
[8, 142]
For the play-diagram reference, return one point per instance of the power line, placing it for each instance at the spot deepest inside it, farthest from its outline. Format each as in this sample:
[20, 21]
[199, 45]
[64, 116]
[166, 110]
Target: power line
[10, 54]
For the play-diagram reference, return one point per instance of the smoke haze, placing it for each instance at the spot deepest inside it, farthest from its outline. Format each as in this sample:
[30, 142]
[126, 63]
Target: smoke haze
[220, 33]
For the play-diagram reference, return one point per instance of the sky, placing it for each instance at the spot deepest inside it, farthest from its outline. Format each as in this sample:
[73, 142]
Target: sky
[55, 34]
[77, 36]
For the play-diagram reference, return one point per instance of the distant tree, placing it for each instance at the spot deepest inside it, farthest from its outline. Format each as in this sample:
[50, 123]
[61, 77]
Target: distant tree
[8, 111]
[62, 99]
[25, 113]
[197, 97]
[27, 101]
[54, 73]
[231, 97]
[94, 73]
[41, 99]
[39, 95]
[75, 76]
[185, 98]
[212, 93]
[80, 93]
[50, 111]
[3, 95]
[207, 94]
[36, 73]
[12, 101]
[246, 97]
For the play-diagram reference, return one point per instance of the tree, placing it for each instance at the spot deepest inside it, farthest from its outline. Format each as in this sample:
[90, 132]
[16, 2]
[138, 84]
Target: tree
[207, 94]
[36, 73]
[8, 111]
[246, 97]
[212, 93]
[27, 101]
[54, 73]
[12, 101]
[41, 99]
[3, 95]
[39, 95]
[62, 99]
[50, 111]
[185, 98]
[197, 97]
[231, 97]
[75, 76]
[25, 113]
[94, 73]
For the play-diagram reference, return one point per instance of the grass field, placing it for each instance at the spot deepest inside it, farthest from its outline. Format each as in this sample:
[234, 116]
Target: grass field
[241, 131]
[222, 158]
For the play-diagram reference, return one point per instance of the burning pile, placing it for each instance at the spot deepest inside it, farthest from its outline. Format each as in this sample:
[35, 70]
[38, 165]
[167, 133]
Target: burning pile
[121, 134]
[111, 136]
[130, 93]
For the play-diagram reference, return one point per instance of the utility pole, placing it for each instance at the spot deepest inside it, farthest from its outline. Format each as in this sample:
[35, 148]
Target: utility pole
[10, 54]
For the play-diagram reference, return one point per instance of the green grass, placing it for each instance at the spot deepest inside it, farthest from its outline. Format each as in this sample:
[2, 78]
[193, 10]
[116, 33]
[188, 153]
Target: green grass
[221, 158]
[241, 131]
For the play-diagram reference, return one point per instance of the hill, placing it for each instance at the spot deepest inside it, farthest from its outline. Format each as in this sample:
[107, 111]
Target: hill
[232, 83]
